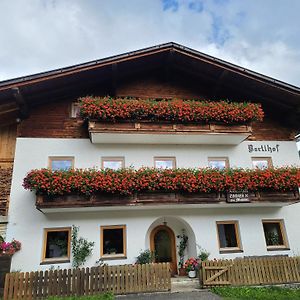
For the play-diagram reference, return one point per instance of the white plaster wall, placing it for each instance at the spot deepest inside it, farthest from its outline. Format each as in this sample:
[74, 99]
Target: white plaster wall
[26, 223]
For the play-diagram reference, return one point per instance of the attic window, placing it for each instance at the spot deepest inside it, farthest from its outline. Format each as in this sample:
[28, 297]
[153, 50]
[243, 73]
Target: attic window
[74, 112]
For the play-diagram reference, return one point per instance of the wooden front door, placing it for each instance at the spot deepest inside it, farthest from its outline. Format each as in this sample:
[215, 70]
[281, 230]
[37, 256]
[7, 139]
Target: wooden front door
[162, 241]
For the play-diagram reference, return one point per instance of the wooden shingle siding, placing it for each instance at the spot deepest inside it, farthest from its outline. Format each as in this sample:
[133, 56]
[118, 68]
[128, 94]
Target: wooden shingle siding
[3, 227]
[7, 145]
[156, 88]
[53, 120]
[271, 130]
[5, 184]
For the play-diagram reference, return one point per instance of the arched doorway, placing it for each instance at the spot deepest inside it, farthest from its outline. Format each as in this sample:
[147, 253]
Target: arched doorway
[162, 242]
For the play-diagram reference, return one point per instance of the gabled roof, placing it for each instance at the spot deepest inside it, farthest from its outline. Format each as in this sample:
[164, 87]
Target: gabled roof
[223, 78]
[24, 80]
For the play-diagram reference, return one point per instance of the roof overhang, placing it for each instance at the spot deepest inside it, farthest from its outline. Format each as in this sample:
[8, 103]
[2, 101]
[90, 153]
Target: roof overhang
[223, 79]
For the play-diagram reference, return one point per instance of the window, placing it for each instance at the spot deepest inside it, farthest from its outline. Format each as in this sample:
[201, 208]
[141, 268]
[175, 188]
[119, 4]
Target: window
[219, 163]
[61, 163]
[165, 162]
[228, 234]
[56, 245]
[75, 110]
[113, 163]
[262, 162]
[113, 241]
[275, 234]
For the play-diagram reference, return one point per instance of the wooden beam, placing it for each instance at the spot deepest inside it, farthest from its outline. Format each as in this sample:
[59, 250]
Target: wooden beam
[21, 102]
[114, 79]
[219, 83]
[167, 65]
[232, 88]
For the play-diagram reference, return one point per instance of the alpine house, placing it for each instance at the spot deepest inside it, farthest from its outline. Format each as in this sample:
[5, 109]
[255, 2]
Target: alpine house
[140, 148]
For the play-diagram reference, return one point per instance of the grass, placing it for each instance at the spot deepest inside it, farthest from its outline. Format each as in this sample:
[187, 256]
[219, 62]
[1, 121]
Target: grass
[107, 296]
[257, 293]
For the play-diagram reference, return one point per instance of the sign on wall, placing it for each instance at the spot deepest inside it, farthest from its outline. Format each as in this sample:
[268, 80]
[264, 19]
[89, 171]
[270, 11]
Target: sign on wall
[263, 148]
[237, 196]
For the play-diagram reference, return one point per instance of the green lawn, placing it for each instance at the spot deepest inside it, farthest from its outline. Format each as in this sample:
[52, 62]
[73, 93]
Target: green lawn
[257, 293]
[107, 296]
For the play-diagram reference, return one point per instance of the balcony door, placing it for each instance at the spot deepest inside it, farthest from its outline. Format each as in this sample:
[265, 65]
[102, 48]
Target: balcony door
[162, 241]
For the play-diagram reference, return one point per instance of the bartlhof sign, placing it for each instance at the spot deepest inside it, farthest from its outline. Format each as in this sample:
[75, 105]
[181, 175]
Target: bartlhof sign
[263, 148]
[238, 196]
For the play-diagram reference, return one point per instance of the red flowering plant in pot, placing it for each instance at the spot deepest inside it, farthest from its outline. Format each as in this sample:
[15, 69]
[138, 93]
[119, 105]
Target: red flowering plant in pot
[191, 265]
[109, 109]
[9, 248]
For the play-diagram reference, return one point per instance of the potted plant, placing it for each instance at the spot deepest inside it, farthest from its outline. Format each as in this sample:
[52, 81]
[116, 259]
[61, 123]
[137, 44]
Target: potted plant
[191, 266]
[9, 248]
[203, 254]
[181, 249]
[145, 257]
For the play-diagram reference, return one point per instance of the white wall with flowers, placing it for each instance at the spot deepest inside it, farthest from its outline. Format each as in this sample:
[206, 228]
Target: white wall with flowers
[26, 223]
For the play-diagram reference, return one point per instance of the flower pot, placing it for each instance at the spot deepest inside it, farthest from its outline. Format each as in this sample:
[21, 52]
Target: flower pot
[182, 272]
[192, 274]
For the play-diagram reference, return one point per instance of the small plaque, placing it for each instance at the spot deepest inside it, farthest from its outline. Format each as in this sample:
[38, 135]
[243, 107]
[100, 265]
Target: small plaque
[238, 196]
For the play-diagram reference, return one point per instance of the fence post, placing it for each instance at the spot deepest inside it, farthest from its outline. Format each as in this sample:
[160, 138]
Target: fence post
[201, 276]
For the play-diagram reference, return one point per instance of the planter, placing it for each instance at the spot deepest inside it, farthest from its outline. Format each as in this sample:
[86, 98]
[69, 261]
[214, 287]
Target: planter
[182, 272]
[192, 274]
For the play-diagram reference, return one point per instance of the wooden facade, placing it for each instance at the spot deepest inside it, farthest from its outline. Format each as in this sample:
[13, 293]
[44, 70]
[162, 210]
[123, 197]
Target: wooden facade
[7, 152]
[8, 136]
[53, 120]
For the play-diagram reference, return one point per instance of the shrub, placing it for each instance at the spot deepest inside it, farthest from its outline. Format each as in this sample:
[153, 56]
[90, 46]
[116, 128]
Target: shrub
[145, 257]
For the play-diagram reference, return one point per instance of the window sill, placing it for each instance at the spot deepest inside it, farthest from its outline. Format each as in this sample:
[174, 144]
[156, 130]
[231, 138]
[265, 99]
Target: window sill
[230, 250]
[113, 256]
[277, 248]
[55, 261]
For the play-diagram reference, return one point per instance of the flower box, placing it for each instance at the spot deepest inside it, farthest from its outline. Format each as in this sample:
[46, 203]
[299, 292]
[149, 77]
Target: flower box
[212, 197]
[147, 186]
[173, 110]
[275, 196]
[180, 121]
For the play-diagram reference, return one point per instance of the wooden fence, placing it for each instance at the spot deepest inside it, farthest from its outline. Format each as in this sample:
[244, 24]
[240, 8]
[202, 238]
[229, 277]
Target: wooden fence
[251, 271]
[77, 282]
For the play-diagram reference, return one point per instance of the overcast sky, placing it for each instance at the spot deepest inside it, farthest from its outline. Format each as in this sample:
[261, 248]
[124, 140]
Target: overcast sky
[40, 35]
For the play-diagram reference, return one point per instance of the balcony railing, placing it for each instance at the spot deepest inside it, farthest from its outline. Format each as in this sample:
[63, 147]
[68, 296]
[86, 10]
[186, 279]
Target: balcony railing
[158, 199]
[147, 186]
[145, 132]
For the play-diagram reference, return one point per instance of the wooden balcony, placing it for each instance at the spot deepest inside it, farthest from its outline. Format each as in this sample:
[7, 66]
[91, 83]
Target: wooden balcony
[160, 199]
[167, 133]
